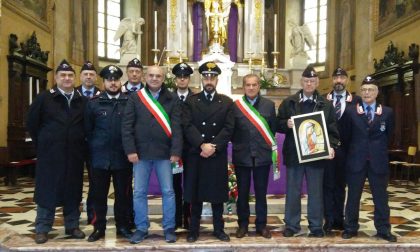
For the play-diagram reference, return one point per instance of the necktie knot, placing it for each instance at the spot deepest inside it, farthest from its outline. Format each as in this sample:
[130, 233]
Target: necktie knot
[68, 96]
[338, 97]
[182, 97]
[133, 89]
[88, 93]
[208, 97]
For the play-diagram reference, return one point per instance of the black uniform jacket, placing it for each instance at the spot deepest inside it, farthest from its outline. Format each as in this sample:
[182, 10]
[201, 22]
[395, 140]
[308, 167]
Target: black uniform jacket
[141, 132]
[207, 122]
[291, 106]
[248, 143]
[58, 133]
[103, 128]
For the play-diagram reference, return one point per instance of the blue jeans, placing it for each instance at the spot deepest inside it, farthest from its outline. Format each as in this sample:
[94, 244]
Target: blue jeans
[142, 171]
[314, 177]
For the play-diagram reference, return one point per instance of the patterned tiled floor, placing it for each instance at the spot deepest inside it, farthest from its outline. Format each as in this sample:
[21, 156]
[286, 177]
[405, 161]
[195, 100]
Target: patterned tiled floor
[17, 214]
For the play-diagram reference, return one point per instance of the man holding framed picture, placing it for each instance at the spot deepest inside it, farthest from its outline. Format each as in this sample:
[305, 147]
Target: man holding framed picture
[305, 101]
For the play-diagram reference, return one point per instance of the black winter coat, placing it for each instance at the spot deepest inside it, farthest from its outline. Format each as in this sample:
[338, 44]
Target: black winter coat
[57, 131]
[103, 128]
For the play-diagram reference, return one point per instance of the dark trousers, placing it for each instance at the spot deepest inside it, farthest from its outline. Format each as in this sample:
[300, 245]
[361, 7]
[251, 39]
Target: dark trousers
[335, 189]
[378, 184]
[101, 182]
[45, 218]
[197, 208]
[182, 211]
[260, 177]
[89, 202]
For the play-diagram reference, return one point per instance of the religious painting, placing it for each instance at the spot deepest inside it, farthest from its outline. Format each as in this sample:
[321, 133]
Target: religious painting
[311, 136]
[393, 15]
[345, 17]
[36, 11]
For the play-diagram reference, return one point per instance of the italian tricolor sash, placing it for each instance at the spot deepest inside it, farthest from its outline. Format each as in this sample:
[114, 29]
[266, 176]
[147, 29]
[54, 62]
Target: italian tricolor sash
[156, 109]
[262, 126]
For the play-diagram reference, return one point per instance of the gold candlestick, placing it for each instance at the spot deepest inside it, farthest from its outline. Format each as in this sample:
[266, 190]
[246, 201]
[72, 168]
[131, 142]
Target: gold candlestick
[250, 60]
[168, 61]
[263, 62]
[155, 60]
[275, 54]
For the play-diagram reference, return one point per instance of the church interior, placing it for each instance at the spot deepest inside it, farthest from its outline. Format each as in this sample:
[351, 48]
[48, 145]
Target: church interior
[273, 39]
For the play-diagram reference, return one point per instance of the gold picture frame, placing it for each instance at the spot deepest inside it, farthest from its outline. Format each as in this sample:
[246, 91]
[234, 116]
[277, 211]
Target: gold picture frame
[311, 136]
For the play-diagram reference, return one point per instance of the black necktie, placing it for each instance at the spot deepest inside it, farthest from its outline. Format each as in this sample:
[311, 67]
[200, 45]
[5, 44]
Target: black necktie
[182, 97]
[338, 106]
[133, 89]
[88, 93]
[369, 114]
[208, 97]
[68, 96]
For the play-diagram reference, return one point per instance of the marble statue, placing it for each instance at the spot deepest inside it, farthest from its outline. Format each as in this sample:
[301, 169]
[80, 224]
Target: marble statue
[298, 37]
[130, 29]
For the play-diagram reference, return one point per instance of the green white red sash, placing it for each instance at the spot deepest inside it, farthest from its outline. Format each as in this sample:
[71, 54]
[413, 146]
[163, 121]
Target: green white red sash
[262, 126]
[156, 109]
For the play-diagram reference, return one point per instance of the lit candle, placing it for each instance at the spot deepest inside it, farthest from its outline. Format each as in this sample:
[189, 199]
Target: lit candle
[37, 86]
[155, 30]
[275, 32]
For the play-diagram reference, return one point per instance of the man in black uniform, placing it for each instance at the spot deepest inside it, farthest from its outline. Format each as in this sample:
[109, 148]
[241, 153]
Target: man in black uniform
[182, 72]
[208, 126]
[255, 124]
[88, 89]
[134, 75]
[55, 123]
[334, 174]
[103, 128]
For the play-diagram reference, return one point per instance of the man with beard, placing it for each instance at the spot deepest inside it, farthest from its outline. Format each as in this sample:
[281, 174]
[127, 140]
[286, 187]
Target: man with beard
[334, 174]
[152, 139]
[134, 75]
[103, 128]
[208, 126]
[182, 72]
[55, 123]
[89, 90]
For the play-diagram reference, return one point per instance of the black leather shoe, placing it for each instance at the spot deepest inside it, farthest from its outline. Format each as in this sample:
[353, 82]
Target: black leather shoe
[96, 235]
[241, 232]
[124, 232]
[338, 226]
[41, 238]
[288, 232]
[316, 234]
[265, 232]
[221, 235]
[348, 234]
[75, 233]
[387, 237]
[192, 237]
[327, 228]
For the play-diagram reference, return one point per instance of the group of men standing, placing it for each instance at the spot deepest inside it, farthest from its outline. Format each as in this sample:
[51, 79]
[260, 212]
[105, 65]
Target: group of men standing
[132, 129]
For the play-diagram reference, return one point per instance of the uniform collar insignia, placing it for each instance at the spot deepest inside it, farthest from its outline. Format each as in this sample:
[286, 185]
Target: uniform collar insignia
[360, 109]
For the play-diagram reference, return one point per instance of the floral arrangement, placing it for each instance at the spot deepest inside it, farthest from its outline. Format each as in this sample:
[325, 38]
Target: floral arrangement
[233, 187]
[169, 82]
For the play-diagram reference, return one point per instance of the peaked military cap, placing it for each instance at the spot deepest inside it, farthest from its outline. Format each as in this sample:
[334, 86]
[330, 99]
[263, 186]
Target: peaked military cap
[135, 63]
[64, 66]
[111, 72]
[309, 72]
[369, 80]
[182, 70]
[339, 71]
[209, 68]
[88, 66]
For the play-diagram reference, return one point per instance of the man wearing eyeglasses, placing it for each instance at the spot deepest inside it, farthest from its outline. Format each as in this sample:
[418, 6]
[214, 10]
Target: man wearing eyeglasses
[208, 125]
[370, 128]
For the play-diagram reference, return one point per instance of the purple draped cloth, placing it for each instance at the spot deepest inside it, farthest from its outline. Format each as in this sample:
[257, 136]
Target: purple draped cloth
[197, 17]
[232, 41]
[274, 187]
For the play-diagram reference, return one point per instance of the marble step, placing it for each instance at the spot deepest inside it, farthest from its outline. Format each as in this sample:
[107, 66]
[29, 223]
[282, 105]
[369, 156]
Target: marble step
[275, 205]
